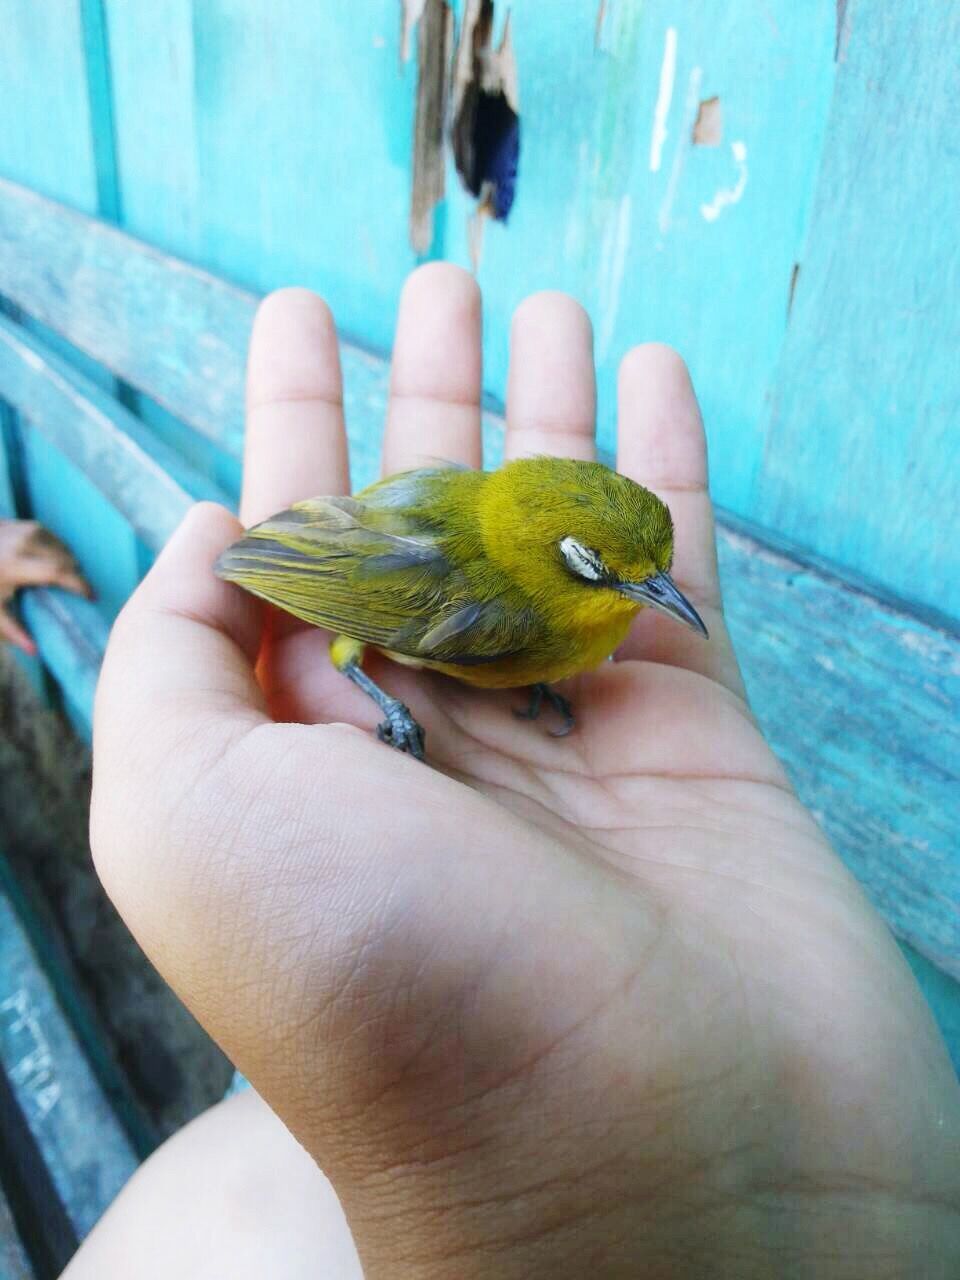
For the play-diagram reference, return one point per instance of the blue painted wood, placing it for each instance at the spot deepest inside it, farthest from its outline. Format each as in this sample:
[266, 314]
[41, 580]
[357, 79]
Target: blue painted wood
[861, 703]
[83, 1147]
[96, 61]
[143, 479]
[14, 1264]
[163, 326]
[271, 144]
[71, 635]
[45, 135]
[174, 332]
[51, 136]
[862, 462]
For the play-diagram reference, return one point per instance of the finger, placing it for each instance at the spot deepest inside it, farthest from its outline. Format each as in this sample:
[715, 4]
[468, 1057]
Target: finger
[11, 631]
[48, 569]
[661, 445]
[296, 445]
[70, 580]
[177, 683]
[551, 386]
[434, 410]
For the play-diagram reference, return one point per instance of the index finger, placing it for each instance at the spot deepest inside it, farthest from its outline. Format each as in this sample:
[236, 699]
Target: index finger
[661, 444]
[295, 445]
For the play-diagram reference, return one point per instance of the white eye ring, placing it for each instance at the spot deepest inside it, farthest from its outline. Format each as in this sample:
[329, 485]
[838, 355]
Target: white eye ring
[582, 561]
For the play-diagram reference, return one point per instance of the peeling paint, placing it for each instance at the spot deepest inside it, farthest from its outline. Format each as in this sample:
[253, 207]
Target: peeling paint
[668, 71]
[412, 11]
[729, 195]
[843, 32]
[708, 126]
[434, 46]
[683, 146]
[599, 24]
[794, 277]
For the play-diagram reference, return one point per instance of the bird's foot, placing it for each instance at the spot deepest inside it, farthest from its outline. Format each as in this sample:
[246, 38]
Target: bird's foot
[559, 703]
[400, 730]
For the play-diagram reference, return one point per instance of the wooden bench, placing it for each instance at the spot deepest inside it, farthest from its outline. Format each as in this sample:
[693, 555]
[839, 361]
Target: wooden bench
[128, 365]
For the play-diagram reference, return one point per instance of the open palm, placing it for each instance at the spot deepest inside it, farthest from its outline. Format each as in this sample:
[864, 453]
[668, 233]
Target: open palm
[606, 1002]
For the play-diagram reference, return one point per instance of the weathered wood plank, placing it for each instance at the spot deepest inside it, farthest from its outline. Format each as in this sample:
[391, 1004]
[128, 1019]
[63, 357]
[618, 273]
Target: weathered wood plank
[270, 144]
[159, 324]
[83, 1147]
[46, 1233]
[147, 482]
[45, 134]
[14, 1264]
[862, 463]
[71, 635]
[51, 136]
[174, 332]
[861, 703]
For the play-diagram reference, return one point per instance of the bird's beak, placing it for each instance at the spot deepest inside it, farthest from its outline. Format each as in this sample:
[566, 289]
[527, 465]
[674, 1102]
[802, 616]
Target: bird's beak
[661, 593]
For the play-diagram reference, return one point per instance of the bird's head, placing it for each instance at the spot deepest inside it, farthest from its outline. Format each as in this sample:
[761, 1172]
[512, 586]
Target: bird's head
[584, 535]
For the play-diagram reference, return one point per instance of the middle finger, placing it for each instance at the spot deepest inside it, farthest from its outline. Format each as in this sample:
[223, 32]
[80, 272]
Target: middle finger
[551, 387]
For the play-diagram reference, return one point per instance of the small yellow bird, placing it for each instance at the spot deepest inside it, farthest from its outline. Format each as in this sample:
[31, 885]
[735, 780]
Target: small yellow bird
[520, 576]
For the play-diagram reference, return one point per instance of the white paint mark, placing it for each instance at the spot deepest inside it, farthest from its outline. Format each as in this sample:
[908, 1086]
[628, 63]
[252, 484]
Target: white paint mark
[613, 262]
[379, 42]
[729, 195]
[412, 13]
[34, 1070]
[668, 71]
[690, 108]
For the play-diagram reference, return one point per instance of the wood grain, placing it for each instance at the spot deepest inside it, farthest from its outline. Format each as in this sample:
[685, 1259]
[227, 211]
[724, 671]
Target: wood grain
[144, 480]
[270, 143]
[85, 1151]
[862, 460]
[14, 1264]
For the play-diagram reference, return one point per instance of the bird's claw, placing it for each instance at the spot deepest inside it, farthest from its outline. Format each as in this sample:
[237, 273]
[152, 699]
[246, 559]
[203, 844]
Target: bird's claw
[564, 708]
[560, 704]
[401, 731]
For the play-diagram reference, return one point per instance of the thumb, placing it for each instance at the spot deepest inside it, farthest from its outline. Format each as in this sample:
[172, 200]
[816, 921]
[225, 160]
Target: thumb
[177, 687]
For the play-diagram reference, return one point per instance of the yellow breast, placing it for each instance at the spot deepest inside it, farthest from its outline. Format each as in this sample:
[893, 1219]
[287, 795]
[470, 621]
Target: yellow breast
[580, 650]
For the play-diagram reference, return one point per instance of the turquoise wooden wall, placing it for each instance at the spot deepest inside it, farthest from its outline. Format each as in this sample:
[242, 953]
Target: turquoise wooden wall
[806, 265]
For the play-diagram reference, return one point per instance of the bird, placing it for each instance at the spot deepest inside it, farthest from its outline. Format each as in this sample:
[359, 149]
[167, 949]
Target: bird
[510, 578]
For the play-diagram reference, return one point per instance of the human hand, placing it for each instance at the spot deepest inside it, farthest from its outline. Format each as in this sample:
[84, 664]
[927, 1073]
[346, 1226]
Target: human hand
[604, 1004]
[31, 556]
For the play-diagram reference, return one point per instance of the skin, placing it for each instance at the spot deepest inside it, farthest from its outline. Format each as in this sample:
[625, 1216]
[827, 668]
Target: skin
[30, 556]
[608, 1005]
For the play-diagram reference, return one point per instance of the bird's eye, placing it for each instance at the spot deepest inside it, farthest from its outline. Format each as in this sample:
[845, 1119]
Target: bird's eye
[582, 561]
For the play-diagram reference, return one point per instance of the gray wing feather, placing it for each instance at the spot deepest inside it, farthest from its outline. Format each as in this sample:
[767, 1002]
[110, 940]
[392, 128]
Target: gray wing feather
[363, 569]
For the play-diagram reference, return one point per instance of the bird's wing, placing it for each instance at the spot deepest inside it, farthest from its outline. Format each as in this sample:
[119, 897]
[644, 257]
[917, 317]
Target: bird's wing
[374, 571]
